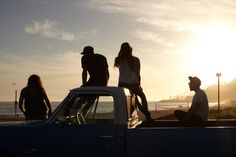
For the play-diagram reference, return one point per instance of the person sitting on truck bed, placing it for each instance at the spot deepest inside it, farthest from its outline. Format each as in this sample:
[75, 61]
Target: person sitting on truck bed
[197, 115]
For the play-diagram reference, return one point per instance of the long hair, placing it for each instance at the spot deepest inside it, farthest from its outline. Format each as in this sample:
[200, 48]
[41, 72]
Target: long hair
[125, 53]
[34, 83]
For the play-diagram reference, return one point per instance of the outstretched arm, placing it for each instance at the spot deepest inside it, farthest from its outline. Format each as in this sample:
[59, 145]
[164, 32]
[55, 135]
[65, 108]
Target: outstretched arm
[108, 75]
[138, 65]
[84, 76]
[48, 103]
[21, 99]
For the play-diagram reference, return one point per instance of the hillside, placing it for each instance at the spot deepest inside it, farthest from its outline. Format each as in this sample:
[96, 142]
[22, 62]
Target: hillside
[227, 91]
[227, 94]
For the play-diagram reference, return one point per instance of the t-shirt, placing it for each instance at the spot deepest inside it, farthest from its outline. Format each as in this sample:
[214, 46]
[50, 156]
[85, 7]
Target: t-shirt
[97, 67]
[127, 74]
[202, 110]
[34, 102]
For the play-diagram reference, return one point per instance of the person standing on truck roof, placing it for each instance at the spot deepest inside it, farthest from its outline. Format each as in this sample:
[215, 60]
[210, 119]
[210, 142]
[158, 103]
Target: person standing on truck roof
[129, 76]
[33, 101]
[96, 66]
[197, 115]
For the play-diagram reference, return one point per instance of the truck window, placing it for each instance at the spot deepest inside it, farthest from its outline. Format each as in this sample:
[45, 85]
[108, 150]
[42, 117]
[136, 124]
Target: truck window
[102, 111]
[88, 109]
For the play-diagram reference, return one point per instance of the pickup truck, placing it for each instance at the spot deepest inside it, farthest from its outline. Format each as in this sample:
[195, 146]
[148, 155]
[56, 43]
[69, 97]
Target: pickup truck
[103, 121]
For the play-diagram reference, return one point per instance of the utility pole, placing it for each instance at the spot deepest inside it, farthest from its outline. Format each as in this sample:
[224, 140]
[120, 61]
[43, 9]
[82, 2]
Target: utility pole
[218, 76]
[15, 102]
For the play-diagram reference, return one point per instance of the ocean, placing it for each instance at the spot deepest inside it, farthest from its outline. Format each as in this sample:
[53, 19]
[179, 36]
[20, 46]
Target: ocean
[8, 108]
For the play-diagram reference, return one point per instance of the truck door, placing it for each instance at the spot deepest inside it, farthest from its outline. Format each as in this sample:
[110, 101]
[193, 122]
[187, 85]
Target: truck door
[88, 129]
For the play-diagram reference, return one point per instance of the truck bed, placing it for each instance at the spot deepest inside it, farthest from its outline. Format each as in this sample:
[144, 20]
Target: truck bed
[175, 123]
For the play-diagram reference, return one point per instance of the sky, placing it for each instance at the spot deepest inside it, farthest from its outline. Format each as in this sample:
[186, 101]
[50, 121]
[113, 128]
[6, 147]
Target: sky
[173, 40]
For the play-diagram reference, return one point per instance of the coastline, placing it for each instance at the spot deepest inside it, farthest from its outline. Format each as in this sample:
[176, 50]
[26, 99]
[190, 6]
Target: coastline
[160, 114]
[225, 113]
[6, 118]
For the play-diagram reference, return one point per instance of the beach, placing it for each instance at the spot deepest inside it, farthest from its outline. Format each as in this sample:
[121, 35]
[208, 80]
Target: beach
[225, 113]
[5, 118]
[155, 115]
[8, 112]
[159, 111]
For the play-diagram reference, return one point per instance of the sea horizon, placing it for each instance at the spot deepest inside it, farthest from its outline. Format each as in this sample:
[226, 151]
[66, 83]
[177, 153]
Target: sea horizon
[9, 108]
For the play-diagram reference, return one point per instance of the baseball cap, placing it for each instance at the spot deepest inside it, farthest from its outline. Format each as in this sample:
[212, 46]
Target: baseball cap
[87, 49]
[195, 80]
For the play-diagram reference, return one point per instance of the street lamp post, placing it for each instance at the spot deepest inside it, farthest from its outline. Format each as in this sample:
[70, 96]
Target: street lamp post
[15, 102]
[218, 76]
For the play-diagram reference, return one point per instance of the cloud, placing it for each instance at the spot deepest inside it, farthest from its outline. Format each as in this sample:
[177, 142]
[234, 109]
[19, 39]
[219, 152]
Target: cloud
[171, 15]
[53, 63]
[59, 72]
[91, 32]
[48, 29]
[151, 36]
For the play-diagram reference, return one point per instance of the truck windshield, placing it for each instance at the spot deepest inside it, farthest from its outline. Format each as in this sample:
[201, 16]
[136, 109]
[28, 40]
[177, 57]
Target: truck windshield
[88, 109]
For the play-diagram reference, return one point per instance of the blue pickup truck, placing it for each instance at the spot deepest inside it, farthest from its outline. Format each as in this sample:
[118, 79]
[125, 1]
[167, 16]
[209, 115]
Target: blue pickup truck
[103, 121]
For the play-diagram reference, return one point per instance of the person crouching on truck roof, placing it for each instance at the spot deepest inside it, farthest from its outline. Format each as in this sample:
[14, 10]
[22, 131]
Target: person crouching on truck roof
[197, 115]
[96, 66]
[95, 73]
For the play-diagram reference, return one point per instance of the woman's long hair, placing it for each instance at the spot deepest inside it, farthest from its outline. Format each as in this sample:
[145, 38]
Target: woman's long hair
[34, 83]
[125, 53]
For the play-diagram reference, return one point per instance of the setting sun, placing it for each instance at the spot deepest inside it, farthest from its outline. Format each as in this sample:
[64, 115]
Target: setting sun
[214, 51]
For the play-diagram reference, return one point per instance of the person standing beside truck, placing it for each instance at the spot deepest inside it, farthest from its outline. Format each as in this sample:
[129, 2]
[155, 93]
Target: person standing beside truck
[33, 101]
[197, 115]
[129, 76]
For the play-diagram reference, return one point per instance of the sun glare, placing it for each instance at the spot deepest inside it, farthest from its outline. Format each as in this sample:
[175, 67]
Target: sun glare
[214, 51]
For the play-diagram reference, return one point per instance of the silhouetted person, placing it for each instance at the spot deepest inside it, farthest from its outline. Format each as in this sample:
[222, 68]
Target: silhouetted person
[129, 76]
[197, 115]
[33, 101]
[96, 66]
